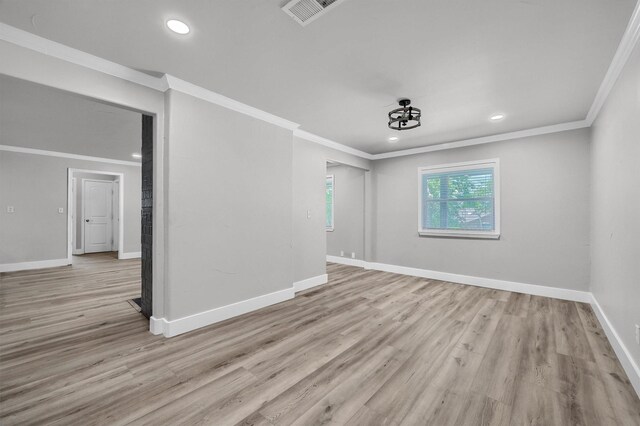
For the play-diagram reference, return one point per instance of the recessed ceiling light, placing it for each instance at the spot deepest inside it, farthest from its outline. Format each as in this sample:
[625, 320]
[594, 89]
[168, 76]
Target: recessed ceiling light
[178, 26]
[393, 139]
[496, 117]
[136, 155]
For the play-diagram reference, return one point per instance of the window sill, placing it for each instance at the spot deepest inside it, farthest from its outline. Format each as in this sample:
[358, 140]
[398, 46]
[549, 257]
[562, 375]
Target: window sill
[460, 234]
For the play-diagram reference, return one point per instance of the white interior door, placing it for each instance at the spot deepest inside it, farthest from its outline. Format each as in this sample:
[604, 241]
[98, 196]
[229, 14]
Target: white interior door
[98, 219]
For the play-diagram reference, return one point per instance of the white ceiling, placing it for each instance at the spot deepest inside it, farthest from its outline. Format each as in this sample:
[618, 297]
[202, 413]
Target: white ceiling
[540, 62]
[39, 117]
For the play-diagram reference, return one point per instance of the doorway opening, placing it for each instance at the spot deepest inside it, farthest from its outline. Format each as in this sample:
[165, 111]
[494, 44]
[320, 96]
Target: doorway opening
[345, 213]
[112, 143]
[96, 212]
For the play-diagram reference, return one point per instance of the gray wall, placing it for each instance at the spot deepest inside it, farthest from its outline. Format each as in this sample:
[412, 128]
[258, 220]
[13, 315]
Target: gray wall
[36, 186]
[545, 214]
[615, 205]
[309, 176]
[40, 117]
[348, 231]
[230, 194]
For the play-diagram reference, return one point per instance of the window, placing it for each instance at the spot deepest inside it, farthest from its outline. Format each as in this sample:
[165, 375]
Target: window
[460, 200]
[330, 203]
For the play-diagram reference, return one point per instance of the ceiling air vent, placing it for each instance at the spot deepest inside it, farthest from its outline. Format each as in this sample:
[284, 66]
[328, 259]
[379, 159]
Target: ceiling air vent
[305, 11]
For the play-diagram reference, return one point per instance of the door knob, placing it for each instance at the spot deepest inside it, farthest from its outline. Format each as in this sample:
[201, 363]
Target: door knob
[86, 220]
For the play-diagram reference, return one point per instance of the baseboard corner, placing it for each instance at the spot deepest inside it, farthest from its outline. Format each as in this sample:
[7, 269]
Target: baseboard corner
[130, 255]
[157, 325]
[346, 261]
[310, 282]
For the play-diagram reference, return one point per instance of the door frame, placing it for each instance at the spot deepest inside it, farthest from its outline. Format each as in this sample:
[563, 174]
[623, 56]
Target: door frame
[70, 194]
[366, 211]
[116, 184]
[82, 217]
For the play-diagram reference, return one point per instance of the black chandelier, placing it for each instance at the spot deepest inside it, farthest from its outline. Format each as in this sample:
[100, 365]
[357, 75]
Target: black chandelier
[406, 117]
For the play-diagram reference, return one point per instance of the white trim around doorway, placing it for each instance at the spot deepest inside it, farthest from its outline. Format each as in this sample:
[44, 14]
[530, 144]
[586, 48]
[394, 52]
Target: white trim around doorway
[70, 204]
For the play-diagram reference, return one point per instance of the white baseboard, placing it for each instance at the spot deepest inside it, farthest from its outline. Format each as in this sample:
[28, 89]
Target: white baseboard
[310, 282]
[182, 325]
[130, 255]
[77, 251]
[170, 328]
[157, 325]
[536, 290]
[346, 261]
[627, 361]
[39, 264]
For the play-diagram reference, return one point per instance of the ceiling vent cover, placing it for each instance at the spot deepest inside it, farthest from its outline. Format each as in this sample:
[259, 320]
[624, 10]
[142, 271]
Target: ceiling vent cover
[306, 11]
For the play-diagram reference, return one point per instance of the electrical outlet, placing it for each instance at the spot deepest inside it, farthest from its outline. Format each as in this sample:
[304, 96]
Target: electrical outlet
[308, 214]
[60, 210]
[11, 209]
[341, 252]
[638, 334]
[353, 255]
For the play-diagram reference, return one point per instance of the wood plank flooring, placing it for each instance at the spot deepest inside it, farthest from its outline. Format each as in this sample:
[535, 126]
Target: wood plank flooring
[368, 348]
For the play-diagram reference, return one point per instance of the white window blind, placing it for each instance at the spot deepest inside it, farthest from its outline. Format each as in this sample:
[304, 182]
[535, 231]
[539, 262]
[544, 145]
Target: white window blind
[460, 200]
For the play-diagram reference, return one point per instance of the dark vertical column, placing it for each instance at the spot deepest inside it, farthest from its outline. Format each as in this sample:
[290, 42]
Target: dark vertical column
[147, 214]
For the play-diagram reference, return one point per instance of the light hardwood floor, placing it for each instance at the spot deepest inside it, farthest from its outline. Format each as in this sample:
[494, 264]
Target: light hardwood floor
[368, 348]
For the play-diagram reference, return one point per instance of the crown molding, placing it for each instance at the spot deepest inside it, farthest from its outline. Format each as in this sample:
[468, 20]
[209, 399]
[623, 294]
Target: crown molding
[75, 56]
[174, 83]
[166, 82]
[183, 86]
[625, 48]
[33, 151]
[331, 144]
[486, 139]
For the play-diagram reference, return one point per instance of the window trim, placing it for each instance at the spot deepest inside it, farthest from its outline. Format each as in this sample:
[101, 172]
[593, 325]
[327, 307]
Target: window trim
[333, 203]
[493, 163]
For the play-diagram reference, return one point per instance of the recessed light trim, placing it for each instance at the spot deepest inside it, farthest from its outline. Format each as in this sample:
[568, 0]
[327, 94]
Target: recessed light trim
[393, 139]
[178, 27]
[136, 155]
[496, 117]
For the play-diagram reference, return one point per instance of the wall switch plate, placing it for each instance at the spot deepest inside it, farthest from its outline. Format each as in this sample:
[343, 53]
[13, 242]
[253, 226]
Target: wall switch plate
[638, 334]
[353, 255]
[341, 252]
[11, 209]
[60, 210]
